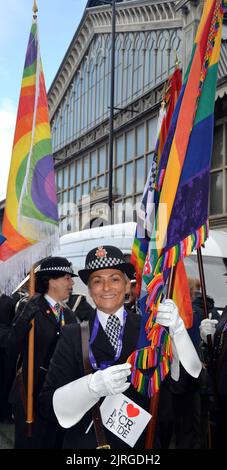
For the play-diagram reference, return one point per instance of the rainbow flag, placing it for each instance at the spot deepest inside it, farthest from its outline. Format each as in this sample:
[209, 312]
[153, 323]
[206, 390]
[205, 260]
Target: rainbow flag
[183, 176]
[181, 294]
[30, 222]
[145, 216]
[182, 187]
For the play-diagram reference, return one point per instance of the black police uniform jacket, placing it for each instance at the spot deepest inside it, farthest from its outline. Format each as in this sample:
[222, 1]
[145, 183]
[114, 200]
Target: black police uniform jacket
[220, 353]
[47, 331]
[7, 311]
[67, 365]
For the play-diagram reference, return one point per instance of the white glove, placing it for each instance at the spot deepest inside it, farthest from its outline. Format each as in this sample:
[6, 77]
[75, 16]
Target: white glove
[175, 365]
[110, 381]
[74, 399]
[168, 315]
[183, 349]
[207, 327]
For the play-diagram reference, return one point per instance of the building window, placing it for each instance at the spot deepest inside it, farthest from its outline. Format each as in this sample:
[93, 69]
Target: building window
[78, 171]
[93, 157]
[85, 161]
[60, 180]
[139, 175]
[134, 151]
[72, 174]
[102, 158]
[119, 156]
[130, 152]
[119, 180]
[66, 177]
[77, 194]
[143, 60]
[138, 65]
[218, 176]
[101, 182]
[129, 178]
[140, 141]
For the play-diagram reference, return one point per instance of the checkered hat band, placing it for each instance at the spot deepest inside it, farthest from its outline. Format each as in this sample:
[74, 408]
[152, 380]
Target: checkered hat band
[104, 263]
[63, 269]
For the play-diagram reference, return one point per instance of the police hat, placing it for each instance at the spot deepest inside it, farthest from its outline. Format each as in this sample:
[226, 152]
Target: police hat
[55, 266]
[105, 257]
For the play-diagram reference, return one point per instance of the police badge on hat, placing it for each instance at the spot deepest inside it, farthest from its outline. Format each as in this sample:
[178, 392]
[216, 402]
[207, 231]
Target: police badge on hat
[105, 257]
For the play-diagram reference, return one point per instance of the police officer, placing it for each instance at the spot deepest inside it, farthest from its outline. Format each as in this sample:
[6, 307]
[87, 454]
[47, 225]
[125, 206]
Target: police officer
[54, 284]
[218, 331]
[68, 394]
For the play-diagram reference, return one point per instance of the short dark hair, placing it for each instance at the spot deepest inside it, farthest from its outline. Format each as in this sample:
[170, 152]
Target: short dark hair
[42, 284]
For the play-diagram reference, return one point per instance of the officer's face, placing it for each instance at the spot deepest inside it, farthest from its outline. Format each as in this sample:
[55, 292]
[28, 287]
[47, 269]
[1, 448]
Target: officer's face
[107, 288]
[60, 288]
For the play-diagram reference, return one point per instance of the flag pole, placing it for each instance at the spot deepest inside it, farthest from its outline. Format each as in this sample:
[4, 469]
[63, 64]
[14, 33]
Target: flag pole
[154, 401]
[209, 340]
[31, 344]
[35, 9]
[31, 335]
[204, 296]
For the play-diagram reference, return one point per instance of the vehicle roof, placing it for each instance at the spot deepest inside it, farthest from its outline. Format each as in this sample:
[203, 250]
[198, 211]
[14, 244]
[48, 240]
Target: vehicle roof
[122, 235]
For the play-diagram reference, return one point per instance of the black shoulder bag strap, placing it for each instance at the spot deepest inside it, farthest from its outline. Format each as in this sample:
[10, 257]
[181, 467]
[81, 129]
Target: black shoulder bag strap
[96, 415]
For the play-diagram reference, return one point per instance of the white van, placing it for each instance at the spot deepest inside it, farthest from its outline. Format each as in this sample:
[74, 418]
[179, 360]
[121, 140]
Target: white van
[76, 245]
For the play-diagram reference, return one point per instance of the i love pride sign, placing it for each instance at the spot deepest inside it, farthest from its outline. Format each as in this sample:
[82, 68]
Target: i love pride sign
[124, 418]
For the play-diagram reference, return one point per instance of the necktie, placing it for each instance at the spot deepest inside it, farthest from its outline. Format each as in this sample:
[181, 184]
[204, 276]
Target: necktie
[57, 312]
[113, 328]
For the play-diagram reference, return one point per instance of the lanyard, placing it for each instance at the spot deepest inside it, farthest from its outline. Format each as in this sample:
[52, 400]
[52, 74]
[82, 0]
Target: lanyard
[60, 318]
[105, 364]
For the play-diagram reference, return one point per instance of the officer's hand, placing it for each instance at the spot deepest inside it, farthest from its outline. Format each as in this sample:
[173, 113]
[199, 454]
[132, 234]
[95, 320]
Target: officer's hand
[29, 311]
[207, 327]
[110, 381]
[168, 315]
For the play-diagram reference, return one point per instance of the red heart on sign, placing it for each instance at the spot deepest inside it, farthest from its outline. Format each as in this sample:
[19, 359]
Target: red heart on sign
[132, 411]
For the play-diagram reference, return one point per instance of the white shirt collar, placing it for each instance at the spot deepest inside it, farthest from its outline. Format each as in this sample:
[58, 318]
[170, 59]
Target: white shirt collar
[51, 301]
[103, 317]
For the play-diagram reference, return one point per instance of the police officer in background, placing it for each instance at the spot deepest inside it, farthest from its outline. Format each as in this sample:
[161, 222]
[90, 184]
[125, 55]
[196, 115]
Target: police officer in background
[7, 312]
[218, 331]
[54, 284]
[68, 393]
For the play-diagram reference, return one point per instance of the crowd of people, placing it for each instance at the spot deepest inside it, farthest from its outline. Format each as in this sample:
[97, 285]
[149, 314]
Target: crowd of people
[76, 374]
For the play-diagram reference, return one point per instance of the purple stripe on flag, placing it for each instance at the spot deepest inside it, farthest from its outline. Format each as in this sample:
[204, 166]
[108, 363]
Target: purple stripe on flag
[43, 188]
[31, 51]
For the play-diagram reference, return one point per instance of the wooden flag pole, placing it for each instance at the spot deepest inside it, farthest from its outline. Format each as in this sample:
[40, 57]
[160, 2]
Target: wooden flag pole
[209, 339]
[154, 401]
[31, 341]
[204, 296]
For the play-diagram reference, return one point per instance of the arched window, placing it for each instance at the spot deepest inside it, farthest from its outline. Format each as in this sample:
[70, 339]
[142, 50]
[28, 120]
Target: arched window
[138, 65]
[107, 67]
[62, 122]
[77, 106]
[91, 92]
[127, 68]
[162, 51]
[84, 88]
[149, 73]
[175, 49]
[118, 70]
[70, 115]
[99, 86]
[53, 134]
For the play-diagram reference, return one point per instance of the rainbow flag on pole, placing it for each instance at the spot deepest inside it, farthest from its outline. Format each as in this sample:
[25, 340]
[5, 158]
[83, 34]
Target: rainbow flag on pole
[30, 222]
[145, 216]
[182, 187]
